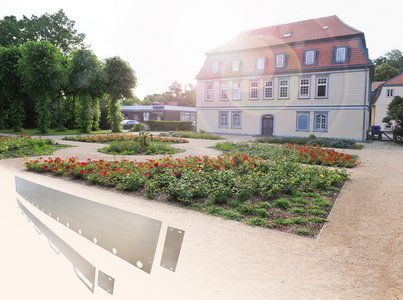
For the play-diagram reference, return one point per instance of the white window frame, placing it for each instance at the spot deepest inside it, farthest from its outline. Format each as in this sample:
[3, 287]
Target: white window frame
[236, 90]
[267, 88]
[322, 84]
[260, 63]
[280, 60]
[306, 85]
[239, 124]
[389, 92]
[236, 64]
[215, 67]
[286, 86]
[303, 113]
[311, 55]
[146, 116]
[315, 123]
[209, 96]
[221, 115]
[185, 116]
[254, 88]
[340, 55]
[224, 96]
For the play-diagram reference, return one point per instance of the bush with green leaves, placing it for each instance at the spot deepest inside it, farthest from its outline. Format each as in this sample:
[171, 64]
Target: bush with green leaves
[25, 146]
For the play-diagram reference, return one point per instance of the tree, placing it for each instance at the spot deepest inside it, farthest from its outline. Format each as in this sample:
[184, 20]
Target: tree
[395, 111]
[389, 65]
[43, 74]
[385, 71]
[11, 93]
[87, 82]
[132, 101]
[57, 29]
[121, 79]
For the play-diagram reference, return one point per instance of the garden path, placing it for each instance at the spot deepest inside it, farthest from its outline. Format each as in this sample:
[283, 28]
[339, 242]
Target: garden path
[358, 255]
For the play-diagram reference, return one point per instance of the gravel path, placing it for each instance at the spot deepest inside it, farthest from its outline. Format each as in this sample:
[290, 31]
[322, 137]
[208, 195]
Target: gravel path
[358, 255]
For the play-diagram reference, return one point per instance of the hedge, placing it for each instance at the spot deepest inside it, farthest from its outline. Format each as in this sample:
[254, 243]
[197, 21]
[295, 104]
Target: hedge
[170, 125]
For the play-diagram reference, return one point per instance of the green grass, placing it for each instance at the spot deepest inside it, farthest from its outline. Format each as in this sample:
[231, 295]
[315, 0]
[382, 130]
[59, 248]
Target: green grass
[191, 135]
[23, 146]
[131, 147]
[35, 132]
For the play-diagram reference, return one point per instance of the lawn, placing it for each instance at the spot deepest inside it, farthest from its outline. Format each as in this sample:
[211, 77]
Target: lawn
[11, 147]
[35, 132]
[277, 193]
[191, 135]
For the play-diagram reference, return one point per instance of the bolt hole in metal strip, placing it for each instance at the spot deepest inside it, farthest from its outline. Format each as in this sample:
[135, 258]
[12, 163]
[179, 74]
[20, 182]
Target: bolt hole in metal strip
[83, 269]
[127, 235]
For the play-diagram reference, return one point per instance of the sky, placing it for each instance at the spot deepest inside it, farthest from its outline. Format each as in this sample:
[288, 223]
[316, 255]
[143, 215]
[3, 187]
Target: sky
[166, 41]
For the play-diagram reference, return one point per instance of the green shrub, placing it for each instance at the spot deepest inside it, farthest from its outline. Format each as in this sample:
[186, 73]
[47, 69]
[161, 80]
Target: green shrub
[139, 146]
[256, 221]
[304, 231]
[282, 203]
[311, 140]
[139, 127]
[191, 135]
[170, 125]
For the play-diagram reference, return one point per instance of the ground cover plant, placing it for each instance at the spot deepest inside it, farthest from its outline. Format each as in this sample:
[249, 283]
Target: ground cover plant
[191, 135]
[11, 147]
[281, 193]
[311, 140]
[299, 153]
[107, 138]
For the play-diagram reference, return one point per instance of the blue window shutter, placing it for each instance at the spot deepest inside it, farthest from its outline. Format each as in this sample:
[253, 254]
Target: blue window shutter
[285, 60]
[316, 57]
[348, 54]
[334, 54]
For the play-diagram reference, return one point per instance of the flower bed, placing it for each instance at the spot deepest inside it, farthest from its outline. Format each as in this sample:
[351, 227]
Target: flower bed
[277, 194]
[136, 147]
[321, 156]
[299, 153]
[11, 147]
[106, 138]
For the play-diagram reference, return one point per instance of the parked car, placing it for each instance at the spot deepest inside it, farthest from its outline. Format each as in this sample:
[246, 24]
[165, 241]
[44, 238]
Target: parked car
[127, 124]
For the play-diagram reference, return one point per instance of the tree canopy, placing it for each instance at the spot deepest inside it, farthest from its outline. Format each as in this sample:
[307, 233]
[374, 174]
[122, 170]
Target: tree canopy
[183, 96]
[395, 111]
[56, 28]
[389, 65]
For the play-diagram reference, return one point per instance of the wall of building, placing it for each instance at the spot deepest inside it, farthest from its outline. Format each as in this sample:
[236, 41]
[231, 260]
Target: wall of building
[382, 103]
[346, 105]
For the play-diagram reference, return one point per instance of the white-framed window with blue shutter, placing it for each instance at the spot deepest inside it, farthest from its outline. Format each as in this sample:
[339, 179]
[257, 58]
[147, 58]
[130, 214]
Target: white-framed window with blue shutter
[341, 55]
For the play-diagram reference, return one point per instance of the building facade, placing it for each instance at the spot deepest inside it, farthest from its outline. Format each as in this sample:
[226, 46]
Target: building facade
[144, 113]
[308, 77]
[383, 95]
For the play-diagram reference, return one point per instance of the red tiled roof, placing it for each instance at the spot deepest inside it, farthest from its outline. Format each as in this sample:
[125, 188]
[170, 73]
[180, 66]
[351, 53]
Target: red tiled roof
[322, 35]
[376, 84]
[397, 80]
[307, 30]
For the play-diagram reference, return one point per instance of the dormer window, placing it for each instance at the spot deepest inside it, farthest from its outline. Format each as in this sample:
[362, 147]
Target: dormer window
[340, 54]
[236, 65]
[309, 57]
[260, 62]
[215, 67]
[280, 60]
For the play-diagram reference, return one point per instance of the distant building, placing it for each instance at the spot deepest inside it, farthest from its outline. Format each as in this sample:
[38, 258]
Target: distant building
[297, 79]
[383, 94]
[144, 113]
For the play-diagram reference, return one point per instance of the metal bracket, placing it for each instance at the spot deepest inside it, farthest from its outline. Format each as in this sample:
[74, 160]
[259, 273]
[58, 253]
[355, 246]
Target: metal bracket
[84, 270]
[172, 248]
[106, 282]
[130, 236]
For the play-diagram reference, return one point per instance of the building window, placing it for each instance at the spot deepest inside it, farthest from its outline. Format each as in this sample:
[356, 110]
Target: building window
[254, 90]
[186, 116]
[146, 116]
[283, 87]
[320, 121]
[321, 87]
[260, 62]
[389, 93]
[309, 57]
[236, 120]
[209, 91]
[236, 65]
[340, 54]
[302, 121]
[223, 119]
[268, 90]
[236, 91]
[224, 91]
[215, 67]
[304, 87]
[280, 60]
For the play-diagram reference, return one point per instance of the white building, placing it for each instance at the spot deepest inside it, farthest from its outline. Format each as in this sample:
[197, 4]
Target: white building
[308, 77]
